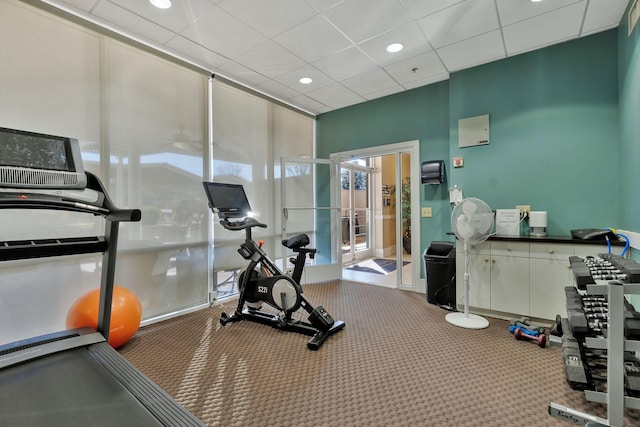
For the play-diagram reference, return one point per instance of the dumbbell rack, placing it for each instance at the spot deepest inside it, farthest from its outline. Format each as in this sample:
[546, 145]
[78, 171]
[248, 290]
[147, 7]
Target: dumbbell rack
[616, 345]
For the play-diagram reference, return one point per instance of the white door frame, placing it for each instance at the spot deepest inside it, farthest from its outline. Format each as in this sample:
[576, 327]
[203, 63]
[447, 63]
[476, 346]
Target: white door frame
[413, 148]
[315, 272]
[353, 255]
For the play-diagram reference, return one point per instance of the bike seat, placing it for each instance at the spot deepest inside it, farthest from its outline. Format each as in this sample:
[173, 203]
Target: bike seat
[296, 242]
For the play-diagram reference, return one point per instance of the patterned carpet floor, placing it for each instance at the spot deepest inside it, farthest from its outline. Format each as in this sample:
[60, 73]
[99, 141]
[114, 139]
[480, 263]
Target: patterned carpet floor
[396, 363]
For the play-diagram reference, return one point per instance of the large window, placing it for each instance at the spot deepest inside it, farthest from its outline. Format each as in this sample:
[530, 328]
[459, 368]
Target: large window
[141, 121]
[250, 135]
[157, 146]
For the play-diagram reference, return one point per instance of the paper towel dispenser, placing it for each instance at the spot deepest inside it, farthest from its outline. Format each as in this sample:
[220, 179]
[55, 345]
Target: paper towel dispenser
[433, 172]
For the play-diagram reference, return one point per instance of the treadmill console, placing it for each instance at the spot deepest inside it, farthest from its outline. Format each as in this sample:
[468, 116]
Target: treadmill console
[35, 160]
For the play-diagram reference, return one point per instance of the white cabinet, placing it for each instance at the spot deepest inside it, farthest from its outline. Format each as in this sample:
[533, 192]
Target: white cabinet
[479, 275]
[520, 278]
[510, 277]
[549, 273]
[498, 275]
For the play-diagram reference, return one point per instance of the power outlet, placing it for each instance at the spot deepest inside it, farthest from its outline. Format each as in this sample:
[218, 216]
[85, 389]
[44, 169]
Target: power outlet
[426, 213]
[525, 211]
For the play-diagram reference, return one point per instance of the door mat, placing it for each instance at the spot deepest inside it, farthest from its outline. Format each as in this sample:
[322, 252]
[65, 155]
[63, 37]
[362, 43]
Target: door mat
[377, 266]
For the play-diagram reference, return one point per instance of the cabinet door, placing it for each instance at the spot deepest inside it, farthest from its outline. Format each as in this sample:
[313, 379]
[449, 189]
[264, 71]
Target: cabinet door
[479, 276]
[549, 274]
[510, 284]
[548, 278]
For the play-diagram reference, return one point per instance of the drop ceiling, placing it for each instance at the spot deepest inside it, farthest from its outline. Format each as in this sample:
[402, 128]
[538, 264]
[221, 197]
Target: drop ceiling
[268, 45]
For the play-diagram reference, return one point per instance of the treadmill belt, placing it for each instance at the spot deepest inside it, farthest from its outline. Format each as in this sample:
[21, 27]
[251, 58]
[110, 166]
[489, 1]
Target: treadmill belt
[67, 389]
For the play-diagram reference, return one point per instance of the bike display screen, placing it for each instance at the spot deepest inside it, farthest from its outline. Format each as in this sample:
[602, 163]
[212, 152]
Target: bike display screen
[227, 199]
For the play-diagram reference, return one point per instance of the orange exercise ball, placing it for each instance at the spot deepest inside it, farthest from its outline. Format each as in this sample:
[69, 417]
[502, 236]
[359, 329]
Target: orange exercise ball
[126, 314]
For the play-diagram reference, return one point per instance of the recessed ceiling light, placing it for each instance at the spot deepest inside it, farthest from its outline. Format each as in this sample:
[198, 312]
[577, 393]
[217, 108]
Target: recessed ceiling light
[534, 1]
[161, 4]
[305, 80]
[395, 47]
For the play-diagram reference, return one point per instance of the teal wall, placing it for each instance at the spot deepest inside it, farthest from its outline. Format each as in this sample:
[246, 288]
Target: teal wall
[553, 132]
[554, 127]
[629, 94]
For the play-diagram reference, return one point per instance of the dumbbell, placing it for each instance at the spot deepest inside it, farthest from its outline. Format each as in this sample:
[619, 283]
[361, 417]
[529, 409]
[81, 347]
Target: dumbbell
[595, 306]
[575, 371]
[581, 326]
[556, 328]
[632, 376]
[518, 323]
[628, 266]
[540, 339]
[528, 324]
[592, 300]
[598, 360]
[523, 319]
[561, 327]
[531, 332]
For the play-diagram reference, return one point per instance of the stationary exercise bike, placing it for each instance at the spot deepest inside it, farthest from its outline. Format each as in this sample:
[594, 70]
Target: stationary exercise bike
[261, 281]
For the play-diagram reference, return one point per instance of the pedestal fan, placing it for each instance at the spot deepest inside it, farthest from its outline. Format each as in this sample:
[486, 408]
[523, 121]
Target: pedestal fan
[472, 222]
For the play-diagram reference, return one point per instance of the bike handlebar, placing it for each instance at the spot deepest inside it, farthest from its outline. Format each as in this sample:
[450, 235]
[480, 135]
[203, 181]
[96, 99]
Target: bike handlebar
[247, 222]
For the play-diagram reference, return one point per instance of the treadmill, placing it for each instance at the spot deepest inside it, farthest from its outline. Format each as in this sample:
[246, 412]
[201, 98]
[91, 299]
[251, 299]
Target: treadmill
[71, 377]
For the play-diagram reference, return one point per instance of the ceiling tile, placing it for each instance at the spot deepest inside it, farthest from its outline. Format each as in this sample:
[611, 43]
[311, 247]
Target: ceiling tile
[269, 44]
[310, 104]
[178, 17]
[345, 64]
[474, 51]
[241, 74]
[416, 68]
[543, 30]
[322, 5]
[292, 79]
[278, 89]
[270, 17]
[421, 8]
[347, 102]
[223, 33]
[313, 39]
[195, 51]
[409, 35]
[459, 22]
[363, 19]
[385, 92]
[370, 82]
[603, 15]
[270, 59]
[511, 11]
[333, 94]
[85, 5]
[131, 23]
[427, 81]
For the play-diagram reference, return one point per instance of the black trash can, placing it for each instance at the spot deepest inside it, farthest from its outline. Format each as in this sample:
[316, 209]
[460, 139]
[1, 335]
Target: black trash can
[440, 268]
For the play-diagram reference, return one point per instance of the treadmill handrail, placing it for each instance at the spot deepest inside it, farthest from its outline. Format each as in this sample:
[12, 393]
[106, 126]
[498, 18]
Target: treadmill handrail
[24, 199]
[41, 248]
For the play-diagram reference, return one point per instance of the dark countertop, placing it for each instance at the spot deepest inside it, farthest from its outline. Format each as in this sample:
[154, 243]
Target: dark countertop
[556, 239]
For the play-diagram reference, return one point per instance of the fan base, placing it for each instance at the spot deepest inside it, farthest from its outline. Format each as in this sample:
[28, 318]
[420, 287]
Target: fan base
[468, 321]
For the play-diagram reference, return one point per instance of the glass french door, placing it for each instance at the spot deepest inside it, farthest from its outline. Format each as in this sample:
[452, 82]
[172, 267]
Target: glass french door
[356, 212]
[392, 232]
[309, 205]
